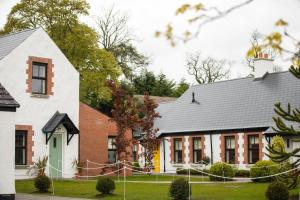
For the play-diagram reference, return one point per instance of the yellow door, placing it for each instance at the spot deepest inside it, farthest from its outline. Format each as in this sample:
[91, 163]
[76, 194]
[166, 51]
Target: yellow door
[156, 159]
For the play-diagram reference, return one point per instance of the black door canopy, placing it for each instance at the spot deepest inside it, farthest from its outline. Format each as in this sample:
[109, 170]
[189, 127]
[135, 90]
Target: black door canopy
[57, 119]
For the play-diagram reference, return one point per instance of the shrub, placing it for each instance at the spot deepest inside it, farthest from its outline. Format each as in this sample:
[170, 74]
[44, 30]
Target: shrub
[221, 169]
[277, 191]
[242, 173]
[179, 189]
[263, 168]
[105, 185]
[42, 183]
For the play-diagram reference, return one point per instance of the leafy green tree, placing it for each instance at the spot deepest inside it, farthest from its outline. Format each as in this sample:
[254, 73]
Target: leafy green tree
[163, 86]
[181, 88]
[79, 42]
[144, 82]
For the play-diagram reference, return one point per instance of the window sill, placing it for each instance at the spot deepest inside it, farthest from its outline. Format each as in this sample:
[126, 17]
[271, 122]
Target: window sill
[177, 164]
[21, 166]
[43, 96]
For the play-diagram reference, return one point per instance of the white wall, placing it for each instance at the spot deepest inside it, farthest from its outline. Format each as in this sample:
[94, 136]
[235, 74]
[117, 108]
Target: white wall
[7, 150]
[37, 111]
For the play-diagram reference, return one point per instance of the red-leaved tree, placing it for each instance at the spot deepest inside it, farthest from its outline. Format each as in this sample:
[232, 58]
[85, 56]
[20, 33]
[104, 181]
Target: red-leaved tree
[149, 139]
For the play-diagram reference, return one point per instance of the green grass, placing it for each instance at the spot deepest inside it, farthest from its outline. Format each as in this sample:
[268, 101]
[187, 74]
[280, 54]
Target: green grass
[150, 191]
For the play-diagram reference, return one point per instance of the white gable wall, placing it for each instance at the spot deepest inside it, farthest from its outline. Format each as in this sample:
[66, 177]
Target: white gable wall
[37, 111]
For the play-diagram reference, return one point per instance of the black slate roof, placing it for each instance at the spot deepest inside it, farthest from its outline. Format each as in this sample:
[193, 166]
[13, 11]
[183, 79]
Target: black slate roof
[229, 105]
[56, 120]
[6, 100]
[9, 42]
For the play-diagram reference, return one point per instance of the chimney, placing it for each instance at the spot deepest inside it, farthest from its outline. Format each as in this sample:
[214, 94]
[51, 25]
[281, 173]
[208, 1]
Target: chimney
[262, 66]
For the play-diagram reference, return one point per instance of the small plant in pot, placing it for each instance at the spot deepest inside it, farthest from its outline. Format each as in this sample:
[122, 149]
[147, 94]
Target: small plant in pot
[79, 167]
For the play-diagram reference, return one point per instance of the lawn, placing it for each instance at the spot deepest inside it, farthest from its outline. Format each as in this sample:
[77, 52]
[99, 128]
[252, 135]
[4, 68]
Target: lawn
[150, 191]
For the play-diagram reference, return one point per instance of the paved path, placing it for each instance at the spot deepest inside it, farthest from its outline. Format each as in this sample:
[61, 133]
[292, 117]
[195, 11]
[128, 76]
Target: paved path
[42, 197]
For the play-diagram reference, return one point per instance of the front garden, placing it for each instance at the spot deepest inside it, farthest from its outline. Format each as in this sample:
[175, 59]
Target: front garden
[150, 191]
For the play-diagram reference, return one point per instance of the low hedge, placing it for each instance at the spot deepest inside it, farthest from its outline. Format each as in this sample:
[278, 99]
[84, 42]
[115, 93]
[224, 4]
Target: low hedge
[193, 172]
[242, 173]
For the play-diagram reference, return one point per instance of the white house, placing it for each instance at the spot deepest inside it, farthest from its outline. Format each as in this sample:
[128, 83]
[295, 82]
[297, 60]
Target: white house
[46, 85]
[228, 121]
[7, 144]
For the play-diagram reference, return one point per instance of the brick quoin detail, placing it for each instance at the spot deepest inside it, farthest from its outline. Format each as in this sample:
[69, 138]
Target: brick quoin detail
[30, 143]
[172, 148]
[222, 147]
[50, 74]
[202, 138]
[260, 136]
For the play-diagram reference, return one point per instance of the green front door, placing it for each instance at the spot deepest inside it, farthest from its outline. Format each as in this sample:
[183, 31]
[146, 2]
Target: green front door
[55, 156]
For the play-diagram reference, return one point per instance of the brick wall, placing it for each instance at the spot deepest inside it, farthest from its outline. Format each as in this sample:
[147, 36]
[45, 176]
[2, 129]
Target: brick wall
[95, 127]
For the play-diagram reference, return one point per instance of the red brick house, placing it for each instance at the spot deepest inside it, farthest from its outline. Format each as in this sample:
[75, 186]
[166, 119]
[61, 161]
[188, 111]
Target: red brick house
[97, 133]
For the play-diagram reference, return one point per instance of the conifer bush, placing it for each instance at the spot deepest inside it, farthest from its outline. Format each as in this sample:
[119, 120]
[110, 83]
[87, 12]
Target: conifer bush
[179, 189]
[42, 183]
[105, 185]
[277, 191]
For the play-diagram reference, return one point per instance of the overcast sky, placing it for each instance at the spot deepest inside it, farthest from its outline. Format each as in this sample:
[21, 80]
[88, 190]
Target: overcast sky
[227, 38]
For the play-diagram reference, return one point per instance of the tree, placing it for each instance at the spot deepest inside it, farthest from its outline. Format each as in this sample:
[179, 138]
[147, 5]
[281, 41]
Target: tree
[149, 140]
[144, 82]
[286, 121]
[79, 42]
[125, 115]
[181, 88]
[207, 70]
[163, 86]
[115, 37]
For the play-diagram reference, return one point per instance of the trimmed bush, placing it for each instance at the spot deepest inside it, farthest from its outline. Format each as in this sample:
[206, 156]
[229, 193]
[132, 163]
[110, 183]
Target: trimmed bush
[105, 185]
[277, 191]
[221, 169]
[263, 168]
[42, 183]
[179, 189]
[193, 172]
[242, 173]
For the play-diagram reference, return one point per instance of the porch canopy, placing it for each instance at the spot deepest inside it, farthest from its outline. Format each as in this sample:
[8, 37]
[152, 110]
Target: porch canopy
[57, 119]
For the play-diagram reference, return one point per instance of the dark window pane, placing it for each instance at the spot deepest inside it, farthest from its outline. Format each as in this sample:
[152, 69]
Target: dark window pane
[20, 147]
[112, 156]
[253, 148]
[39, 70]
[38, 86]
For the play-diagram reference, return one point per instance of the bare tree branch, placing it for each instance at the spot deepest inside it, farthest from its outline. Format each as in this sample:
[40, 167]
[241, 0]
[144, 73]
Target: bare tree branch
[207, 70]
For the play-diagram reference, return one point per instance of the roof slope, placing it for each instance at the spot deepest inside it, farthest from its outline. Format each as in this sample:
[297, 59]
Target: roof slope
[6, 100]
[11, 41]
[226, 105]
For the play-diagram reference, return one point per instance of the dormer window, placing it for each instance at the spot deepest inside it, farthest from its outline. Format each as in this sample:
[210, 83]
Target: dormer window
[39, 78]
